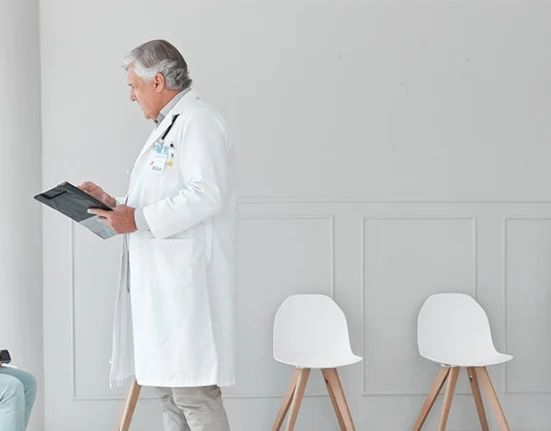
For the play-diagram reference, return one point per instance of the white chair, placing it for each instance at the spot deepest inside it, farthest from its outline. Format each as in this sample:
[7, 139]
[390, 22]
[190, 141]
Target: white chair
[453, 331]
[310, 331]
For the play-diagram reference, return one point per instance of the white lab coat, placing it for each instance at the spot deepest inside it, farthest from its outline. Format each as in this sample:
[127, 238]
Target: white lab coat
[175, 304]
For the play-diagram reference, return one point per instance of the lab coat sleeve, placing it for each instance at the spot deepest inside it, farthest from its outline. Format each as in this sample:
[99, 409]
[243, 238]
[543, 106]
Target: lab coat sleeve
[139, 219]
[201, 149]
[120, 200]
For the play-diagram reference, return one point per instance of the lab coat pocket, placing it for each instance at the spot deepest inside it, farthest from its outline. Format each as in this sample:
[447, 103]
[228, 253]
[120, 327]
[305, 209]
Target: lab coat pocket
[172, 262]
[172, 272]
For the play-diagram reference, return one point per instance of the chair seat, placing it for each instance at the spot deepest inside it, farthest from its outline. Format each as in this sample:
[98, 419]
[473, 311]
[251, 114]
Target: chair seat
[324, 363]
[473, 360]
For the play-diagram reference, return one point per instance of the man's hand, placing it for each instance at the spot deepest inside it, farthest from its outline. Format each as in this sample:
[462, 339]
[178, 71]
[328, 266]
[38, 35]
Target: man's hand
[97, 192]
[121, 219]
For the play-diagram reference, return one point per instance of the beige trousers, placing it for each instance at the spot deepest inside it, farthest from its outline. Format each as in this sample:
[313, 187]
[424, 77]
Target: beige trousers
[193, 409]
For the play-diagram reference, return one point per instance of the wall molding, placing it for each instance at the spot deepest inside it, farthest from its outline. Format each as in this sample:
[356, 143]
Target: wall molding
[331, 228]
[329, 218]
[505, 243]
[72, 311]
[72, 346]
[389, 200]
[474, 225]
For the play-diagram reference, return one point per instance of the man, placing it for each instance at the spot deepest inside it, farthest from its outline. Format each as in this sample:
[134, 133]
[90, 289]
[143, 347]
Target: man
[178, 265]
[17, 396]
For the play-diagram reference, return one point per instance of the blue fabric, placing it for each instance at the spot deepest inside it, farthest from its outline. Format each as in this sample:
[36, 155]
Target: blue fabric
[17, 395]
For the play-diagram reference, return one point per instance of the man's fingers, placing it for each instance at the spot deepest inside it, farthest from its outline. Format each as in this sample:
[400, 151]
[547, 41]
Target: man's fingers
[103, 216]
[99, 212]
[87, 186]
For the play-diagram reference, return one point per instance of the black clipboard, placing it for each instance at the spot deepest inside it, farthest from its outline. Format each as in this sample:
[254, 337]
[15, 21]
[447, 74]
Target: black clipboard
[75, 203]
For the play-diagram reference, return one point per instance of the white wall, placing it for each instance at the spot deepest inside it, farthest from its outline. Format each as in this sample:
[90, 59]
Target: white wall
[20, 180]
[388, 150]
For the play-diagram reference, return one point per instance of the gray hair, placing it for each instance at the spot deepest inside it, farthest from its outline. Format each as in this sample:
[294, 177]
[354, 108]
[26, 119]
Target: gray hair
[159, 56]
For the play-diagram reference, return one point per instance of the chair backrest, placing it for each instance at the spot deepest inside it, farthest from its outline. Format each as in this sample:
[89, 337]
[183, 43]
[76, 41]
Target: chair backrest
[453, 325]
[309, 327]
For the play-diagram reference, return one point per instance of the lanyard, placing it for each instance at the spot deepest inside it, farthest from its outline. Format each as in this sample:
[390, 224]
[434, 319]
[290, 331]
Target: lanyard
[161, 152]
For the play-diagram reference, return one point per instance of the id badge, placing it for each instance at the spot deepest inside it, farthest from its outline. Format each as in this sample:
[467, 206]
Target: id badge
[161, 157]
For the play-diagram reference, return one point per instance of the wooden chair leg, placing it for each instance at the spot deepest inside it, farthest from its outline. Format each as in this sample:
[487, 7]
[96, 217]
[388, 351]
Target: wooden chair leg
[333, 400]
[431, 397]
[478, 399]
[340, 399]
[297, 397]
[484, 379]
[286, 402]
[129, 407]
[448, 398]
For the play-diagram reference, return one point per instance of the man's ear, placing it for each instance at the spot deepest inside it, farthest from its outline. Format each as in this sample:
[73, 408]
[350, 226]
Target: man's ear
[158, 82]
